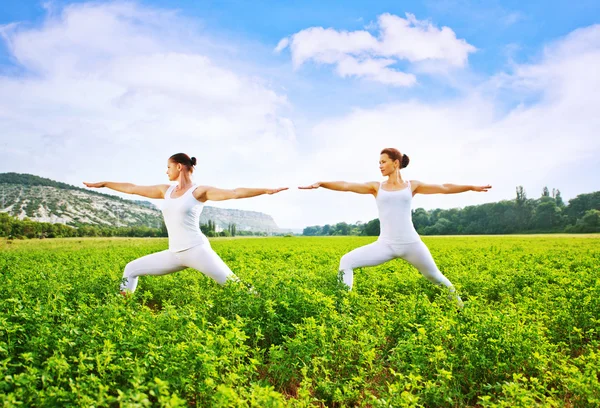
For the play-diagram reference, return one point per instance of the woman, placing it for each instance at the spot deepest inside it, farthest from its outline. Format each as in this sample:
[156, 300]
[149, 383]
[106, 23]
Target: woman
[398, 237]
[181, 208]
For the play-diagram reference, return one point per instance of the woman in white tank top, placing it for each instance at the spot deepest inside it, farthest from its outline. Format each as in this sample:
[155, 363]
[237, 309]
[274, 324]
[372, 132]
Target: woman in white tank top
[398, 237]
[181, 208]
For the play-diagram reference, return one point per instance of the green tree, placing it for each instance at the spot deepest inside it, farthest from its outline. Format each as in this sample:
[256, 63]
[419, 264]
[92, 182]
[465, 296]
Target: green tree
[312, 231]
[523, 210]
[5, 225]
[441, 227]
[372, 228]
[559, 201]
[579, 206]
[342, 228]
[545, 192]
[547, 216]
[521, 195]
[420, 219]
[590, 222]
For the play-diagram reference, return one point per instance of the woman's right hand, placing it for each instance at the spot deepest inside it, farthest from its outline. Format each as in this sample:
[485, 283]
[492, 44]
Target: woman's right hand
[315, 185]
[94, 185]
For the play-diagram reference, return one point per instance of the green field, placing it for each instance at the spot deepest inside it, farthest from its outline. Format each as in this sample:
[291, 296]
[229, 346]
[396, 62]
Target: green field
[529, 334]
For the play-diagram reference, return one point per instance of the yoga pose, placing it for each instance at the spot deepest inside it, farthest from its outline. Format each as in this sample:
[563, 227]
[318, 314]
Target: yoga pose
[398, 237]
[181, 208]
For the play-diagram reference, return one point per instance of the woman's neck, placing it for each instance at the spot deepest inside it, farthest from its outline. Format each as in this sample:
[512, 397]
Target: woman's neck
[395, 179]
[184, 181]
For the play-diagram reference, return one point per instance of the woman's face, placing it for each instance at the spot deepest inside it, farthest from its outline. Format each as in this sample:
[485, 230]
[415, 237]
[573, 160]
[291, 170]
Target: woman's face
[173, 170]
[387, 166]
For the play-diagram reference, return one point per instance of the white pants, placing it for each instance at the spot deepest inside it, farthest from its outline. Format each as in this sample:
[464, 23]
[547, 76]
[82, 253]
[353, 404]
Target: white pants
[416, 253]
[201, 257]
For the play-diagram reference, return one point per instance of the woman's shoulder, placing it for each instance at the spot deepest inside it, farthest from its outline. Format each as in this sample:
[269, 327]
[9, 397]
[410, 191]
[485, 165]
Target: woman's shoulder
[375, 185]
[414, 184]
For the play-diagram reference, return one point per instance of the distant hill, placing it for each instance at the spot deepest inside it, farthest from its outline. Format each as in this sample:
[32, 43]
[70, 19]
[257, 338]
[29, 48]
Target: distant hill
[42, 199]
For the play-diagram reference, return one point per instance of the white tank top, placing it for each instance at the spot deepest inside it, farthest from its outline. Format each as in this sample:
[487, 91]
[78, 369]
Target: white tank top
[182, 218]
[395, 218]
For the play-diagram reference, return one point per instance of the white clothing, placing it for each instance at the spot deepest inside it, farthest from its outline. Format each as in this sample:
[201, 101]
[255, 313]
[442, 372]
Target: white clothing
[395, 217]
[200, 257]
[416, 253]
[182, 219]
[397, 239]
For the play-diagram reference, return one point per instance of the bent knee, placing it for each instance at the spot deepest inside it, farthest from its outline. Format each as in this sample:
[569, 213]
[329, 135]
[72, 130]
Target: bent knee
[346, 263]
[130, 270]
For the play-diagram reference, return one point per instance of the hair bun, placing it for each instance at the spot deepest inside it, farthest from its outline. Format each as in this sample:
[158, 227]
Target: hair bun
[405, 160]
[193, 161]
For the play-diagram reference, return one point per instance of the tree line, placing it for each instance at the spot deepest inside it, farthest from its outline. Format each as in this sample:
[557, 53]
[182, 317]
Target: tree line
[12, 227]
[210, 230]
[546, 214]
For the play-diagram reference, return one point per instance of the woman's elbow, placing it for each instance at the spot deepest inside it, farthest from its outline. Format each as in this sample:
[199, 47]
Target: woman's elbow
[447, 189]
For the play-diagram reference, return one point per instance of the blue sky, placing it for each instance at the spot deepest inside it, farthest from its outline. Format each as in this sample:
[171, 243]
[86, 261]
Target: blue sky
[476, 92]
[491, 25]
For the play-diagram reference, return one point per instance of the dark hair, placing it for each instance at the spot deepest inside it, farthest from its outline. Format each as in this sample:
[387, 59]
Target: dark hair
[184, 159]
[395, 154]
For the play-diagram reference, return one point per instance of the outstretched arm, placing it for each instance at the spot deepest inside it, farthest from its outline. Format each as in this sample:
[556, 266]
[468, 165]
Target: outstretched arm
[369, 187]
[157, 191]
[206, 193]
[424, 188]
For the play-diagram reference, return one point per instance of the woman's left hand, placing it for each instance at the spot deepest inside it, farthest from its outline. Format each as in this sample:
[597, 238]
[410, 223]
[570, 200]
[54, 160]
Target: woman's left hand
[276, 190]
[482, 188]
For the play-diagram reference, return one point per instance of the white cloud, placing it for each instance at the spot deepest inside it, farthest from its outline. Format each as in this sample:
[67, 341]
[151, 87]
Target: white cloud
[110, 91]
[374, 69]
[512, 18]
[283, 43]
[360, 54]
[472, 139]
[417, 40]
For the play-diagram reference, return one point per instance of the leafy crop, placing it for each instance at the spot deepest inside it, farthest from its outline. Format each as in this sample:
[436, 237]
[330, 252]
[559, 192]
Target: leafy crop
[528, 335]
